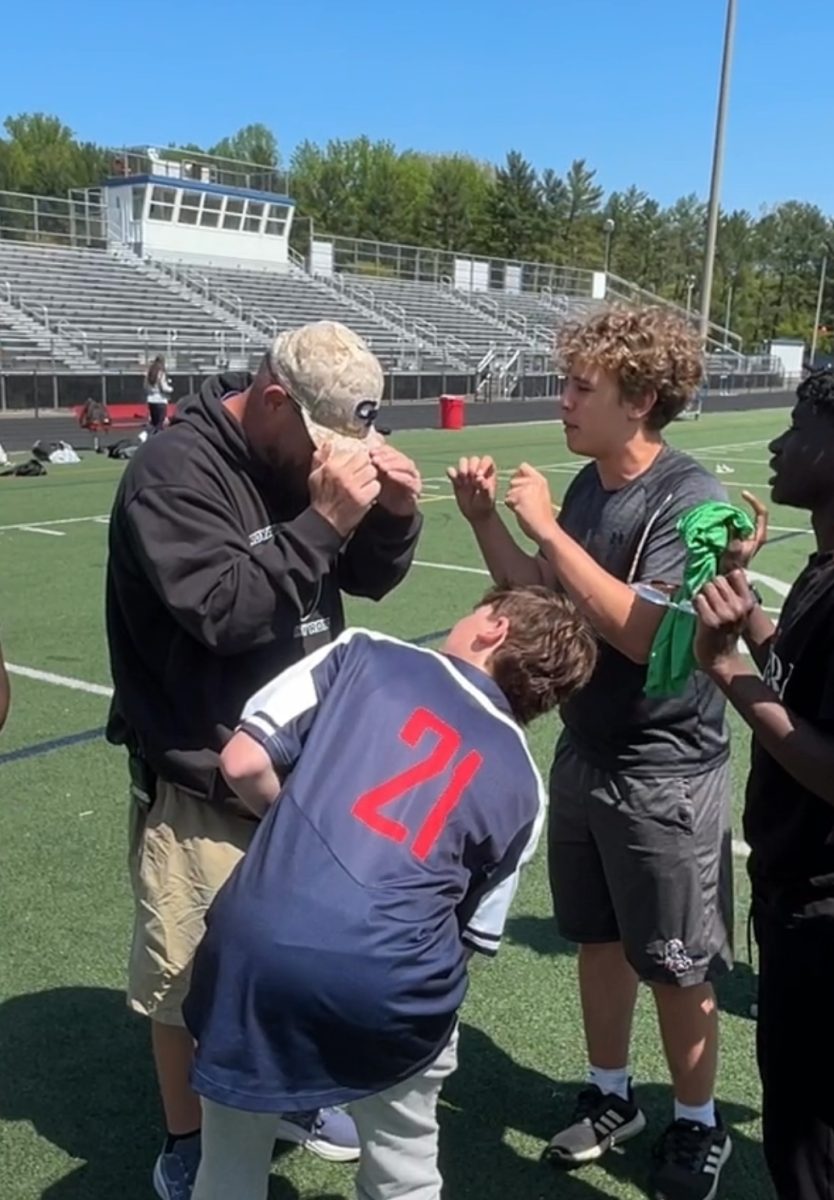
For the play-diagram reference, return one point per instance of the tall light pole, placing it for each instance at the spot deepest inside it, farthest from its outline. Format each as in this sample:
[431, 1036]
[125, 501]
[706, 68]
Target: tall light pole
[729, 313]
[717, 168]
[609, 229]
[818, 315]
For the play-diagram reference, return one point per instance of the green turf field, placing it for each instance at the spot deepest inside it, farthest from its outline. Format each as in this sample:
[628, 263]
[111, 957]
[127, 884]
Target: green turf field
[78, 1112]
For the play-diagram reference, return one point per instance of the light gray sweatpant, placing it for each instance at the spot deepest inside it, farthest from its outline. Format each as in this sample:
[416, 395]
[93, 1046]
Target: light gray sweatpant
[398, 1135]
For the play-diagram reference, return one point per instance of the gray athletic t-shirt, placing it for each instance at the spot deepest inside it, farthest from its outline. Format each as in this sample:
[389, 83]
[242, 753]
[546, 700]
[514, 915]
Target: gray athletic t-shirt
[631, 532]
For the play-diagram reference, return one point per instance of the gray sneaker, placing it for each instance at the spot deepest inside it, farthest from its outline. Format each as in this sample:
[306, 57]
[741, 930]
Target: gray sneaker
[174, 1173]
[328, 1133]
[600, 1121]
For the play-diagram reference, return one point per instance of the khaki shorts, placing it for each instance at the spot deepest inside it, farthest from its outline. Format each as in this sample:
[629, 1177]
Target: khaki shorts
[182, 851]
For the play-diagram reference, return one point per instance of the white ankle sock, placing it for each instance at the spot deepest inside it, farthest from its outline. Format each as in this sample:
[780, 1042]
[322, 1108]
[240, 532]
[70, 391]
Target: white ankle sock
[704, 1114]
[615, 1082]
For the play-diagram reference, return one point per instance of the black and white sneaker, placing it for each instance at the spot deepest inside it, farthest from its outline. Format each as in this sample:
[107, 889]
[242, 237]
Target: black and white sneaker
[689, 1159]
[600, 1120]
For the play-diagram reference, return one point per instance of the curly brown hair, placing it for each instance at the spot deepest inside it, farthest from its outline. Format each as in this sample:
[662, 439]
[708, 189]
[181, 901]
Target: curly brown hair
[650, 349]
[549, 652]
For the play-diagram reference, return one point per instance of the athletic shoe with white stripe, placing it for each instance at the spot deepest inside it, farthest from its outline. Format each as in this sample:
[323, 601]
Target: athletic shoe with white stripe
[690, 1158]
[600, 1121]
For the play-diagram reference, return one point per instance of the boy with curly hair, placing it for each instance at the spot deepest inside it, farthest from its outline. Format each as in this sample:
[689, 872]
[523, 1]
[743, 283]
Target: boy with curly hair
[401, 803]
[639, 834]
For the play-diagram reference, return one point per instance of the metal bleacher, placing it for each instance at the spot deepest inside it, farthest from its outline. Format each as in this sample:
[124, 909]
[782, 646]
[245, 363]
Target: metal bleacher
[18, 347]
[270, 301]
[469, 330]
[111, 312]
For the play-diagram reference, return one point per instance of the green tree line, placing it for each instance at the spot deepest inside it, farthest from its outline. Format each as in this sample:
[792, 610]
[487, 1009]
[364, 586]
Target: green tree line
[767, 266]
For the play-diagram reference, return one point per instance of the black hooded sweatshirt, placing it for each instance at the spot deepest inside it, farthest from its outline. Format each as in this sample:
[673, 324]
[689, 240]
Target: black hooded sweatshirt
[219, 576]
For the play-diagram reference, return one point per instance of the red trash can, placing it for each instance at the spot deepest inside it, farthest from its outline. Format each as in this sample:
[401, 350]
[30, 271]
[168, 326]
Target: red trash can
[452, 412]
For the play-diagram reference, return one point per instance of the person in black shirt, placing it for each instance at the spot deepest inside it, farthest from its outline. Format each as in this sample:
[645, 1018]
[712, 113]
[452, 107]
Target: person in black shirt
[5, 691]
[789, 812]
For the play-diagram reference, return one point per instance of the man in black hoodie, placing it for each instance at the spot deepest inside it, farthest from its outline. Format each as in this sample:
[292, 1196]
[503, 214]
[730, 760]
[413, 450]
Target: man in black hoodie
[232, 538]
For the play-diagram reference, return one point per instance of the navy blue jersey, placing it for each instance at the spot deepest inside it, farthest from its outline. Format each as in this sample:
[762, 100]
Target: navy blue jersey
[333, 964]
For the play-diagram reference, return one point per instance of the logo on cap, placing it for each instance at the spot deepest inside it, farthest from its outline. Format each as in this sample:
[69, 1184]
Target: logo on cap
[366, 412]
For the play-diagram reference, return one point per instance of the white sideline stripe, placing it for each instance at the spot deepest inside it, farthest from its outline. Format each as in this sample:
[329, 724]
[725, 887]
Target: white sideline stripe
[542, 467]
[749, 462]
[450, 567]
[776, 584]
[39, 529]
[772, 528]
[47, 524]
[67, 681]
[105, 520]
[725, 447]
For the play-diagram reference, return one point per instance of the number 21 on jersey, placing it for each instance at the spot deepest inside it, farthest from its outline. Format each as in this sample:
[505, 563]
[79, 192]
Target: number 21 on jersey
[447, 744]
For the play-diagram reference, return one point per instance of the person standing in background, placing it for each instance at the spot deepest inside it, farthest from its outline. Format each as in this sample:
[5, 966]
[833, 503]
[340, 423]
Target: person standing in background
[232, 541]
[157, 391]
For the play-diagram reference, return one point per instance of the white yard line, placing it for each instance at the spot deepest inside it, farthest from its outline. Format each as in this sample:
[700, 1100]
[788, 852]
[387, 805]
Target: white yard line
[67, 681]
[734, 458]
[542, 467]
[562, 466]
[48, 524]
[776, 585]
[450, 567]
[773, 528]
[726, 448]
[40, 529]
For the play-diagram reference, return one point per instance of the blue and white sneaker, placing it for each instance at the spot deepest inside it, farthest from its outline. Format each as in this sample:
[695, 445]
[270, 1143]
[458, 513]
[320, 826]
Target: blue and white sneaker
[329, 1132]
[175, 1172]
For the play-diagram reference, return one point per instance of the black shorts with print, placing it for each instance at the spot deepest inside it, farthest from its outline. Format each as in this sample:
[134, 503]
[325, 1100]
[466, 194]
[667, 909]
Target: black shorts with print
[646, 861]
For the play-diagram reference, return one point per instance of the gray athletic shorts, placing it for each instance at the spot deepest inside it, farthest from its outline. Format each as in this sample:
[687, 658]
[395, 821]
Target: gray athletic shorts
[646, 861]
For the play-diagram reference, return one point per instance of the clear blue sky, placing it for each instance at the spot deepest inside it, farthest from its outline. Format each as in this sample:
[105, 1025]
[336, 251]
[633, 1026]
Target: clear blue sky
[630, 85]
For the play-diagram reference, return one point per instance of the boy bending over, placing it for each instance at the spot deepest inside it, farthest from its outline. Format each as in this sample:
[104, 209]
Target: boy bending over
[334, 962]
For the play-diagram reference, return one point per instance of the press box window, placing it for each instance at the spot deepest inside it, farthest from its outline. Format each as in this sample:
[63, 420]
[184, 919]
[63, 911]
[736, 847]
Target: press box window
[276, 221]
[162, 204]
[190, 208]
[254, 213]
[233, 214]
[210, 216]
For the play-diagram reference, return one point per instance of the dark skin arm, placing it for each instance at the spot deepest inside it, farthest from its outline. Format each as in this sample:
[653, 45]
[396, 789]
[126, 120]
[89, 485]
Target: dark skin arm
[5, 691]
[758, 633]
[803, 750]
